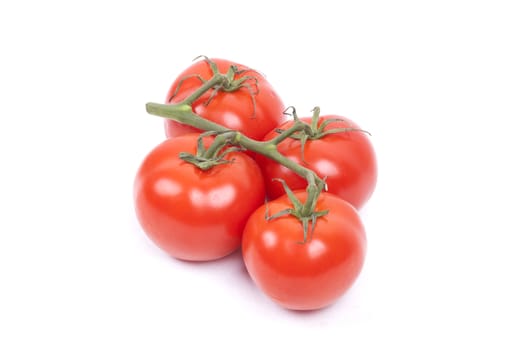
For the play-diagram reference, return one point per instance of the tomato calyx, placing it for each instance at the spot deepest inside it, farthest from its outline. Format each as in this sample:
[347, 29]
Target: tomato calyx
[314, 130]
[304, 212]
[206, 159]
[227, 82]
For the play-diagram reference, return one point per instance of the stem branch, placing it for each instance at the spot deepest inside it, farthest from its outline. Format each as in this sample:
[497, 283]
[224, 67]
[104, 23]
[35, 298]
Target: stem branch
[217, 80]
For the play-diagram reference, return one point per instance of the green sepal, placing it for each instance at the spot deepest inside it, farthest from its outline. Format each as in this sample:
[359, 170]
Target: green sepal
[297, 205]
[279, 214]
[298, 211]
[206, 159]
[329, 121]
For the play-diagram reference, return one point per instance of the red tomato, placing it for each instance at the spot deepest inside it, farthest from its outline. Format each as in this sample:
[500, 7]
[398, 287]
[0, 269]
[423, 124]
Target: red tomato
[346, 159]
[194, 214]
[254, 111]
[311, 275]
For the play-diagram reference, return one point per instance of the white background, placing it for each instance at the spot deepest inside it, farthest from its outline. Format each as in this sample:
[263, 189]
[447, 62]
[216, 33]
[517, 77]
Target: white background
[439, 84]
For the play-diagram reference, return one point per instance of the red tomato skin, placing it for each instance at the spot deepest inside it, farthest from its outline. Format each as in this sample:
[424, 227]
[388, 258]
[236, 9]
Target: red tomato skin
[305, 276]
[193, 214]
[234, 110]
[346, 159]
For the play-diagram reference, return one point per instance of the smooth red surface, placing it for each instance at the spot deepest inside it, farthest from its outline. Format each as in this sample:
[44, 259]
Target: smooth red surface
[311, 275]
[346, 159]
[235, 110]
[194, 214]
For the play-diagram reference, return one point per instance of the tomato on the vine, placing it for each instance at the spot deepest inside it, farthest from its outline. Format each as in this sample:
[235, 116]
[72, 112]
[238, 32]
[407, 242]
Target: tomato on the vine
[346, 158]
[254, 108]
[195, 214]
[299, 274]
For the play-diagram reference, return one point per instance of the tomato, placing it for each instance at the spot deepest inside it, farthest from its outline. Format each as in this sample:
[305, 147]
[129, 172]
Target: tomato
[254, 109]
[310, 275]
[347, 160]
[193, 214]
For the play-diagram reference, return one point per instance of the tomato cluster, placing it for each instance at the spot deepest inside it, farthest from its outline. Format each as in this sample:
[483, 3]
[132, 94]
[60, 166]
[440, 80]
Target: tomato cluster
[199, 199]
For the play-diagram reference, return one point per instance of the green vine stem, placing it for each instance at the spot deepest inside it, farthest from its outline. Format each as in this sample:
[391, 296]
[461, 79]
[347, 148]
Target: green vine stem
[182, 112]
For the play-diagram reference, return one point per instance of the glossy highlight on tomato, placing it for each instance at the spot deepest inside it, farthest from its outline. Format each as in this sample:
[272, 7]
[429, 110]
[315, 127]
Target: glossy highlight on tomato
[195, 214]
[305, 275]
[346, 159]
[254, 109]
